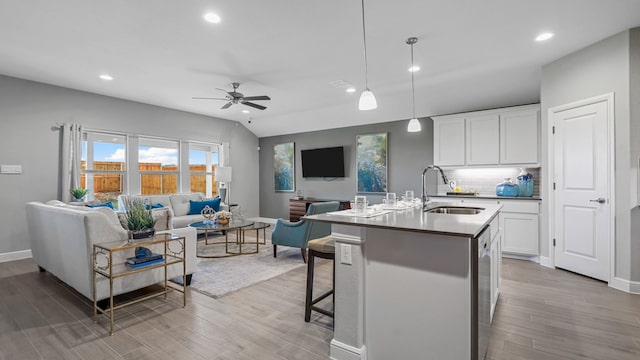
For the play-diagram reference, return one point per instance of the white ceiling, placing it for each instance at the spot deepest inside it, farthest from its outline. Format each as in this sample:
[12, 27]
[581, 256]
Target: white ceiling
[474, 54]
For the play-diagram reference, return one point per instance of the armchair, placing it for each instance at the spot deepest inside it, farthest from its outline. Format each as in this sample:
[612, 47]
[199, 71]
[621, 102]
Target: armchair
[297, 234]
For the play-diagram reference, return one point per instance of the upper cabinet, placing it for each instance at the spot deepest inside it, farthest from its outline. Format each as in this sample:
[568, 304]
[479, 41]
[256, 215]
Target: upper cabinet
[507, 136]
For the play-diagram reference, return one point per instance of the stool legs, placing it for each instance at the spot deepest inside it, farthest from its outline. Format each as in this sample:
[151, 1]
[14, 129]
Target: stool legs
[310, 301]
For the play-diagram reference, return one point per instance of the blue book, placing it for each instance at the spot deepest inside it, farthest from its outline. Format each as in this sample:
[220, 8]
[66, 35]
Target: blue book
[143, 264]
[143, 259]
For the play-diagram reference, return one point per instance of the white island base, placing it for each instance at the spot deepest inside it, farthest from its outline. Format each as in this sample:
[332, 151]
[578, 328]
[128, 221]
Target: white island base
[405, 295]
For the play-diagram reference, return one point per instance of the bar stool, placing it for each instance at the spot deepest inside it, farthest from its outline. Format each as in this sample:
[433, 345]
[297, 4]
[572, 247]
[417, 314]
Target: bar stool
[324, 248]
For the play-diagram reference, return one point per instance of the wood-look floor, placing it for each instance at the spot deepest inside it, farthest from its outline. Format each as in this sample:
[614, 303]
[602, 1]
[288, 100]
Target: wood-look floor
[542, 314]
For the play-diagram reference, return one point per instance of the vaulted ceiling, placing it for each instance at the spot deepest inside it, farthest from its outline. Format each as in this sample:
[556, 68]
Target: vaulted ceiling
[473, 54]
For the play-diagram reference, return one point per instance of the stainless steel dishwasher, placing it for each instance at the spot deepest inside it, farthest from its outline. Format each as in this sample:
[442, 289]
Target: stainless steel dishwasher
[484, 291]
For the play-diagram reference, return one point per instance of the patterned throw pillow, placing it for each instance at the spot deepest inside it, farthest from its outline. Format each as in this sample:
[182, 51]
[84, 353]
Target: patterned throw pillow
[195, 207]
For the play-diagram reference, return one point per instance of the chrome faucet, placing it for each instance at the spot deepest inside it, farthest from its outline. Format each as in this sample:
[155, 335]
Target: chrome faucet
[425, 197]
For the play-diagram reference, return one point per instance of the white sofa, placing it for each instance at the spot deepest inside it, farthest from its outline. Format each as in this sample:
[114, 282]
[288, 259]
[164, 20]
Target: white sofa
[178, 203]
[62, 239]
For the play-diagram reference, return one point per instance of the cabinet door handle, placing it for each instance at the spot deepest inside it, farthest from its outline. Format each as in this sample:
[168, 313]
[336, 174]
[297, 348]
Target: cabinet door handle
[599, 200]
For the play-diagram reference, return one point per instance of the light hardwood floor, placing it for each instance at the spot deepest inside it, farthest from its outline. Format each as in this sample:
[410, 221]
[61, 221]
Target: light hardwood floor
[542, 314]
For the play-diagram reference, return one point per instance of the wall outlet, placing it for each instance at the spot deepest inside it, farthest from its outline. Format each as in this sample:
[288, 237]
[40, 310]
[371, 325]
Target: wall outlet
[11, 169]
[345, 254]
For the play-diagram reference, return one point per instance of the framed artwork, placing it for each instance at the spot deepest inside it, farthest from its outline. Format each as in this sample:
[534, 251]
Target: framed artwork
[371, 163]
[284, 167]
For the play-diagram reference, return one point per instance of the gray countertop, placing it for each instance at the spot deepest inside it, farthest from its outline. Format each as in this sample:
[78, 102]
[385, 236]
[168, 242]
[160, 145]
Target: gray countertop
[416, 220]
[486, 196]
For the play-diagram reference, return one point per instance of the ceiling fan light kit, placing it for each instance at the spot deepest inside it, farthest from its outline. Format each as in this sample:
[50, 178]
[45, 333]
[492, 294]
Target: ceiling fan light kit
[414, 123]
[367, 99]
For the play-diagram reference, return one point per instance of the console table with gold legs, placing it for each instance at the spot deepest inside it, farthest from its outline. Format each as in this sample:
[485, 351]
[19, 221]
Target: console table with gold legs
[109, 261]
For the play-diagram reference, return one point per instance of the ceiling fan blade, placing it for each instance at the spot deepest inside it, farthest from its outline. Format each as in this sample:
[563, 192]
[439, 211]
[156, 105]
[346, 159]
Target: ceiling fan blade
[259, 107]
[208, 98]
[223, 90]
[227, 105]
[251, 98]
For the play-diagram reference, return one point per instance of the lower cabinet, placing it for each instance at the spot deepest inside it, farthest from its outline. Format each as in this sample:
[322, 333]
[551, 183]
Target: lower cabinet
[520, 233]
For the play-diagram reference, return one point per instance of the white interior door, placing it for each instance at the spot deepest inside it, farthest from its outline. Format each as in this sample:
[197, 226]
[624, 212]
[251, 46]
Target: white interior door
[581, 199]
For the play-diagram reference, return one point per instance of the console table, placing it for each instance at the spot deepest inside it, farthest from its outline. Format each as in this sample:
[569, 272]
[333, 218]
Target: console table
[298, 207]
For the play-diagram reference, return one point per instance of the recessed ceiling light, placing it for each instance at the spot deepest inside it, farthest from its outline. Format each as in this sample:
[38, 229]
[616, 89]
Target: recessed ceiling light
[246, 111]
[544, 36]
[212, 18]
[414, 68]
[106, 77]
[351, 90]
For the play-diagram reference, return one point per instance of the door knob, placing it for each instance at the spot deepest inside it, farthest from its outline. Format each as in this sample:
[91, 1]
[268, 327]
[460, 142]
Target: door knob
[599, 200]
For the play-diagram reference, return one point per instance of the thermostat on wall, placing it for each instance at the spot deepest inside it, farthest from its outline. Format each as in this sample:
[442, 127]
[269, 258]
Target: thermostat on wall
[10, 169]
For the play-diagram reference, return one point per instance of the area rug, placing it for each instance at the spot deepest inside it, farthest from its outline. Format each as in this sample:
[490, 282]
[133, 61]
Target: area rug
[220, 276]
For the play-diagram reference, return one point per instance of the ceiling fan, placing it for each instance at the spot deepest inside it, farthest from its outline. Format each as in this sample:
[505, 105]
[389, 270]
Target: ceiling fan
[234, 97]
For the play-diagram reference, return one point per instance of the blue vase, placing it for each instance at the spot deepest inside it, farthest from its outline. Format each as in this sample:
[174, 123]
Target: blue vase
[507, 188]
[525, 184]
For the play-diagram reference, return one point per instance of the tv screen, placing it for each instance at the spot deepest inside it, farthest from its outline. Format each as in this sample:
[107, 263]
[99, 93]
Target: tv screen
[325, 162]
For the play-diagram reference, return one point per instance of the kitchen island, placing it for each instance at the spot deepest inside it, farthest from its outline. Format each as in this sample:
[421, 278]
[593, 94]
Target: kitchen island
[411, 284]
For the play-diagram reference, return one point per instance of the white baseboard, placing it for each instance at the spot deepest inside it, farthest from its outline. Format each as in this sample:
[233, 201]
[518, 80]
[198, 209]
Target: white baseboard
[532, 258]
[342, 351]
[16, 255]
[546, 262]
[625, 285]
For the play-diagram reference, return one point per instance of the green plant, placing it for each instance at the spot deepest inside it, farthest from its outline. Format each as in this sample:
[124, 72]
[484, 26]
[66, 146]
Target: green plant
[78, 193]
[138, 215]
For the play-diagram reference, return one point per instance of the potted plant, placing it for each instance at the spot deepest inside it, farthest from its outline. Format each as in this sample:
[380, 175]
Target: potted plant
[78, 193]
[139, 219]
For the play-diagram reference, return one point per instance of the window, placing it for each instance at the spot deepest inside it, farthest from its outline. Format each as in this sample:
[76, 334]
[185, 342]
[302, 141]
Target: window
[158, 166]
[203, 159]
[103, 165]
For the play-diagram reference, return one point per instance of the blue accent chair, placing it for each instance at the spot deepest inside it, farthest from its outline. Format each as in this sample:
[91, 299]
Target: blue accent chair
[297, 234]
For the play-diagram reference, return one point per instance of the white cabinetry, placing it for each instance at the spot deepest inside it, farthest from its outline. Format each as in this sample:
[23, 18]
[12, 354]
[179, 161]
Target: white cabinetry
[496, 262]
[448, 142]
[506, 136]
[520, 233]
[482, 142]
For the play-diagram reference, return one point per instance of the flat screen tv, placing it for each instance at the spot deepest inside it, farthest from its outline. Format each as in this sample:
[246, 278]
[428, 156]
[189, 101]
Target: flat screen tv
[325, 162]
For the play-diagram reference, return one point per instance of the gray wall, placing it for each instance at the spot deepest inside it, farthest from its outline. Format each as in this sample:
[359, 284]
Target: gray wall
[28, 110]
[599, 69]
[408, 154]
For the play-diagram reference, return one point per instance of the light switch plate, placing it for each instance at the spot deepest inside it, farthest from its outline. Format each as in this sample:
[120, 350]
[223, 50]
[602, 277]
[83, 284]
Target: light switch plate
[345, 254]
[11, 169]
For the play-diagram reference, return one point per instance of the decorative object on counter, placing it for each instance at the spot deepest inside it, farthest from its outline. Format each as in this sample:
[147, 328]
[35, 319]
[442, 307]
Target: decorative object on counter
[360, 205]
[525, 183]
[408, 196]
[507, 188]
[457, 186]
[371, 163]
[208, 213]
[223, 217]
[414, 123]
[390, 200]
[283, 166]
[299, 194]
[78, 194]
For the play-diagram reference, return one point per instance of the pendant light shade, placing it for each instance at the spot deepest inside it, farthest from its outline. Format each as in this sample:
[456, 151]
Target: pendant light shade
[414, 123]
[367, 99]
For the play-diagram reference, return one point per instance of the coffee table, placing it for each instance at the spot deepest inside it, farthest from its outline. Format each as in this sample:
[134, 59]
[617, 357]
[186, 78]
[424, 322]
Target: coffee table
[257, 226]
[236, 225]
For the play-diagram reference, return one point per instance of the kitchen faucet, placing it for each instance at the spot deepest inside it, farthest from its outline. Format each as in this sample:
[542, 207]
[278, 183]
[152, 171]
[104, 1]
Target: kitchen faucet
[425, 197]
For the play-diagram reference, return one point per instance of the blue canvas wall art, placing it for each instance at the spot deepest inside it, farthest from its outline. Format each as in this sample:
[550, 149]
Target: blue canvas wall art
[284, 166]
[371, 162]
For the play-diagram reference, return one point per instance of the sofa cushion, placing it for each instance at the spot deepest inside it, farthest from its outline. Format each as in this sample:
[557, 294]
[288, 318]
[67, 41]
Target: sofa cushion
[195, 207]
[180, 202]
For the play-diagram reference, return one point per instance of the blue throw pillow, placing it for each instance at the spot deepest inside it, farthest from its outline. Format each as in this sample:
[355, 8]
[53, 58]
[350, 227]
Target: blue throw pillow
[195, 207]
[154, 206]
[107, 204]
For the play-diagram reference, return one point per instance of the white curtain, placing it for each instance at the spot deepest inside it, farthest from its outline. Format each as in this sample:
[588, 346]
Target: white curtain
[71, 157]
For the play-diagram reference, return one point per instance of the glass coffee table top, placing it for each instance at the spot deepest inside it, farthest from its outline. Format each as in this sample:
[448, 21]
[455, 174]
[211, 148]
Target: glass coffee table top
[201, 225]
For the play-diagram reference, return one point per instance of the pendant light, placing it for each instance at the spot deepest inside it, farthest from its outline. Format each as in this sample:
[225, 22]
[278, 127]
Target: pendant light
[367, 99]
[414, 123]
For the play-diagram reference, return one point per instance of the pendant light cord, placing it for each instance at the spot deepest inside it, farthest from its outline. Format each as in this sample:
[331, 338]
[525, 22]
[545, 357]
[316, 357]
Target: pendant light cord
[364, 37]
[413, 90]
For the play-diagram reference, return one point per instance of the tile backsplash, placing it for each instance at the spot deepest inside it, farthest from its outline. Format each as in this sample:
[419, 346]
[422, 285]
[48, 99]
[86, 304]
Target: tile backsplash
[484, 180]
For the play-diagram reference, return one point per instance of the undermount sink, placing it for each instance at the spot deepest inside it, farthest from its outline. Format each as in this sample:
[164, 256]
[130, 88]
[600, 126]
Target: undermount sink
[455, 210]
